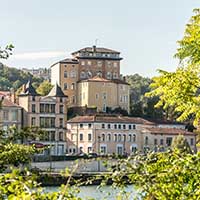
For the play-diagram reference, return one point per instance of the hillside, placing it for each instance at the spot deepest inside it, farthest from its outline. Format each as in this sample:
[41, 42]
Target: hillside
[14, 78]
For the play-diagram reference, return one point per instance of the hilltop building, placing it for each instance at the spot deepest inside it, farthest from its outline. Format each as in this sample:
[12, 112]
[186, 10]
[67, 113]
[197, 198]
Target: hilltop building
[92, 73]
[47, 112]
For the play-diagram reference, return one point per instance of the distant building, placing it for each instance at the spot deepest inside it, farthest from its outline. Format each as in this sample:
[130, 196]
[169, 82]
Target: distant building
[87, 63]
[47, 112]
[40, 73]
[116, 134]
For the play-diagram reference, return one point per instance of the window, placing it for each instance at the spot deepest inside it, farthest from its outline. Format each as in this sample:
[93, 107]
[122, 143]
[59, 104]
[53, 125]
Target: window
[81, 125]
[103, 150]
[81, 136]
[33, 98]
[130, 137]
[168, 141]
[134, 138]
[102, 125]
[33, 108]
[89, 63]
[61, 100]
[47, 108]
[109, 75]
[89, 125]
[14, 115]
[115, 76]
[65, 74]
[104, 96]
[104, 107]
[119, 126]
[191, 141]
[65, 86]
[109, 126]
[124, 138]
[103, 137]
[73, 99]
[109, 137]
[124, 126]
[119, 138]
[133, 149]
[134, 127]
[115, 137]
[61, 136]
[82, 63]
[109, 64]
[129, 127]
[89, 149]
[155, 141]
[51, 135]
[115, 126]
[73, 86]
[61, 122]
[146, 140]
[89, 136]
[115, 64]
[61, 108]
[5, 115]
[47, 122]
[73, 74]
[82, 75]
[161, 141]
[119, 150]
[97, 96]
[33, 121]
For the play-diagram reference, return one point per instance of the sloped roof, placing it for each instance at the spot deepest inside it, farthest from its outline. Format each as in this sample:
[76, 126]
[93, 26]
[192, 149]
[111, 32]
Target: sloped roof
[109, 119]
[56, 91]
[29, 90]
[96, 49]
[168, 131]
[7, 103]
[67, 61]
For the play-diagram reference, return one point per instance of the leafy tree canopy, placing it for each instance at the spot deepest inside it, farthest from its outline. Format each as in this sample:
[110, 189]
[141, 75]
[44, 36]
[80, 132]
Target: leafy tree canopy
[181, 89]
[44, 88]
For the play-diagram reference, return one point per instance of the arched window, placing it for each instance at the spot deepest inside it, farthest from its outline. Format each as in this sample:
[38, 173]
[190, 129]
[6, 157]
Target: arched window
[119, 138]
[134, 138]
[129, 137]
[146, 140]
[109, 137]
[124, 138]
[82, 75]
[115, 137]
[89, 74]
[103, 137]
[109, 75]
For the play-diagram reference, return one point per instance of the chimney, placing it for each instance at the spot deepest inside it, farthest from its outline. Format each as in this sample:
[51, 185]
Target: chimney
[94, 48]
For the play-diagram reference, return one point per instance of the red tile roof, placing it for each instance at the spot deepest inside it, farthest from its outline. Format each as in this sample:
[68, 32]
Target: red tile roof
[7, 103]
[109, 119]
[168, 131]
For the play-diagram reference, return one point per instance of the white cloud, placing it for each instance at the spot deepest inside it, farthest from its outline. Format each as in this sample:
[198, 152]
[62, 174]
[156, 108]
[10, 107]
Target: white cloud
[38, 55]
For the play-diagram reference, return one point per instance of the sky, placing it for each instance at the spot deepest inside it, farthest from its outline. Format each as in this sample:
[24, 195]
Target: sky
[46, 31]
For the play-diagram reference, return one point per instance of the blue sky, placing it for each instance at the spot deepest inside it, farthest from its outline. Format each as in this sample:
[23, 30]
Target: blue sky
[144, 31]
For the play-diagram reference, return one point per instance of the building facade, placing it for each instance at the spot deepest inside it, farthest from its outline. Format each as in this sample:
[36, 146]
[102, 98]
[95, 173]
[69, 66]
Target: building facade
[10, 115]
[47, 112]
[119, 135]
[86, 63]
[103, 94]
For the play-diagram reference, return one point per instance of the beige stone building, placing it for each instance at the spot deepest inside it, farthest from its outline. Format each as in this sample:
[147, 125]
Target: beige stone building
[47, 112]
[119, 135]
[87, 63]
[103, 93]
[10, 114]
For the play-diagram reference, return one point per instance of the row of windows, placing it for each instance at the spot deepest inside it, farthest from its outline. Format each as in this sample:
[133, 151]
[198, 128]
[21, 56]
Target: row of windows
[68, 86]
[34, 99]
[110, 137]
[89, 74]
[111, 126]
[47, 108]
[13, 115]
[47, 122]
[51, 136]
[95, 54]
[124, 99]
[71, 74]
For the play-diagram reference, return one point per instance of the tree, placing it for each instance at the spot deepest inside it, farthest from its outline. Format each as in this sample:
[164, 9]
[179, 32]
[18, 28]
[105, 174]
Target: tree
[44, 88]
[181, 89]
[6, 52]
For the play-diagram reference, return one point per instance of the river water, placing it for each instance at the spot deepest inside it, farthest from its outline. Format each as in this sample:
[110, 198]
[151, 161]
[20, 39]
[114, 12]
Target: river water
[106, 192]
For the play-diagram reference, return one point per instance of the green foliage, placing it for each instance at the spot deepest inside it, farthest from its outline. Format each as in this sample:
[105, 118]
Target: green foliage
[181, 143]
[181, 89]
[6, 52]
[162, 176]
[15, 78]
[44, 88]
